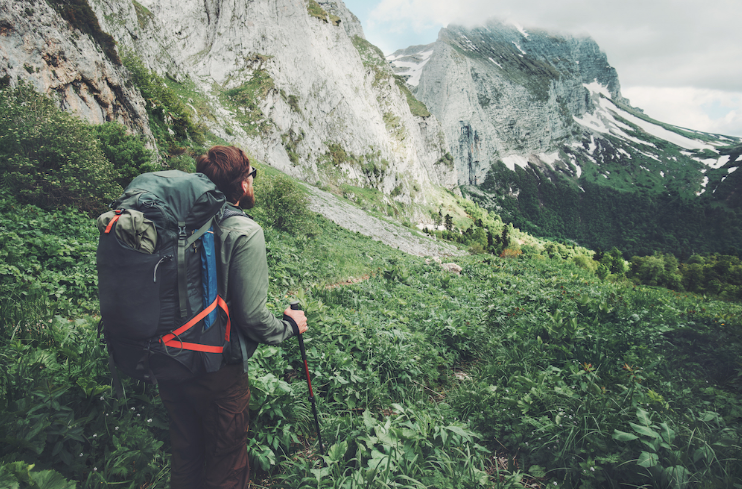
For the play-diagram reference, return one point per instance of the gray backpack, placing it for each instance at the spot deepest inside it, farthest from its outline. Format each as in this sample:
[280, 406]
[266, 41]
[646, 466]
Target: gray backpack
[162, 317]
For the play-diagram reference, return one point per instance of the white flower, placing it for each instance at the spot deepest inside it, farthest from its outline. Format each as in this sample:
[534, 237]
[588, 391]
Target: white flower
[81, 454]
[95, 435]
[592, 469]
[138, 415]
[95, 469]
[149, 420]
[133, 409]
[116, 428]
[102, 398]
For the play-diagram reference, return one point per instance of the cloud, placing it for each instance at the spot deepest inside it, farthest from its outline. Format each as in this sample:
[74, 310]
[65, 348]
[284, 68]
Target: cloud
[705, 110]
[664, 43]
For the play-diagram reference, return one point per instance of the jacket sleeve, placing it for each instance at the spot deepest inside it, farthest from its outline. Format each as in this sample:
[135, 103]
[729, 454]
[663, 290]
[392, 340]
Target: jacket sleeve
[248, 290]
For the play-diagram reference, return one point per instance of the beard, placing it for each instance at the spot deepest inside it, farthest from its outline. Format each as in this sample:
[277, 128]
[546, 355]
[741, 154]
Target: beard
[247, 201]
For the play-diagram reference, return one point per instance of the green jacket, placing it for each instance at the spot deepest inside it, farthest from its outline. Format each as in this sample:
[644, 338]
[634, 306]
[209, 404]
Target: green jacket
[243, 283]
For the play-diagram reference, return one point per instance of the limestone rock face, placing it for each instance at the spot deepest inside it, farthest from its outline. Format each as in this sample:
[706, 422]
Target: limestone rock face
[39, 47]
[501, 91]
[329, 109]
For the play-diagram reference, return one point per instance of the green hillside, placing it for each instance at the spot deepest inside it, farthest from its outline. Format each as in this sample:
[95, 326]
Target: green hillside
[518, 372]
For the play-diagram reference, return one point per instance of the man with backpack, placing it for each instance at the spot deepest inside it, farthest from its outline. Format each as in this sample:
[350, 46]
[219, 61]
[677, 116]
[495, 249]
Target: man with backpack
[209, 415]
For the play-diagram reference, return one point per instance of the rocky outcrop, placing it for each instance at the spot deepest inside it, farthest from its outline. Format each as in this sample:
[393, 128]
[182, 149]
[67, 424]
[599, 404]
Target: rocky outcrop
[324, 112]
[41, 48]
[500, 91]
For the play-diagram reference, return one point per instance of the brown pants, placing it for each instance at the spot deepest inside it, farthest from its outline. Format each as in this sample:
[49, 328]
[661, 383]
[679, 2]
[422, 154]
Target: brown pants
[209, 419]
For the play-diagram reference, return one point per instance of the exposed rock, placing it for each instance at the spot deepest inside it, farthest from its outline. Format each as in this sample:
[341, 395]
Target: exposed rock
[451, 267]
[499, 91]
[41, 48]
[328, 112]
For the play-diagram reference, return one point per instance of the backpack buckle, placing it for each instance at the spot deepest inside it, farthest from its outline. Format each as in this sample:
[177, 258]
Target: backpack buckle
[182, 232]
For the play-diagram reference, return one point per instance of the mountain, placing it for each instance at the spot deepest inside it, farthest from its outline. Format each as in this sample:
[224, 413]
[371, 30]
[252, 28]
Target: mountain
[294, 82]
[540, 133]
[529, 124]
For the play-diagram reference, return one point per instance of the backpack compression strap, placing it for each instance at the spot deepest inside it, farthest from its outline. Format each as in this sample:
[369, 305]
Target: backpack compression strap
[113, 220]
[183, 243]
[172, 339]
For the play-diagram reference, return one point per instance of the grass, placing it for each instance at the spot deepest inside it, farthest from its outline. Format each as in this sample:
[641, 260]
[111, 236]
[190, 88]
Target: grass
[519, 371]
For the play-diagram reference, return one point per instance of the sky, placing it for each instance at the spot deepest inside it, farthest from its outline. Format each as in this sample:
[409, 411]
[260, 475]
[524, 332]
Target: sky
[678, 60]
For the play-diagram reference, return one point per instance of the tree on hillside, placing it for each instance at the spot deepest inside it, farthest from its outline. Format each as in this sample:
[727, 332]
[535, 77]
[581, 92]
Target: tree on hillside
[448, 222]
[51, 158]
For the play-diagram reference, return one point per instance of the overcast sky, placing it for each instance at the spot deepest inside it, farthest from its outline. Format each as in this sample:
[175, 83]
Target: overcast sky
[679, 60]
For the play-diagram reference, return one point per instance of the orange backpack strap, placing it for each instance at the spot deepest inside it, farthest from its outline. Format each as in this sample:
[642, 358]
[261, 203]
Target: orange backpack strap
[115, 218]
[172, 339]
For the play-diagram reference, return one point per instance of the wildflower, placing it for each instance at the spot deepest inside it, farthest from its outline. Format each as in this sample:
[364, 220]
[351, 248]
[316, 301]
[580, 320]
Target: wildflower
[81, 454]
[95, 469]
[555, 483]
[95, 435]
[116, 428]
[102, 398]
[149, 420]
[592, 469]
[138, 415]
[133, 408]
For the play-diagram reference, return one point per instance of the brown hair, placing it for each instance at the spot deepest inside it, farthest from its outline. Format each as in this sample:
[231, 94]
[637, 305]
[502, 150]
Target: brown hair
[227, 167]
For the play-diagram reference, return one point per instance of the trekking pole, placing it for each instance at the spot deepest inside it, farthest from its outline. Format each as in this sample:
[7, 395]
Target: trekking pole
[296, 307]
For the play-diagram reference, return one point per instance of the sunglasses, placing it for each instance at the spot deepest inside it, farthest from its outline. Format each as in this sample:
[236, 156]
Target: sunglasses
[253, 174]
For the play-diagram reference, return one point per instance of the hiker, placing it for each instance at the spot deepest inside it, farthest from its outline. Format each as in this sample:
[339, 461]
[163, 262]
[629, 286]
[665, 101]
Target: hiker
[209, 415]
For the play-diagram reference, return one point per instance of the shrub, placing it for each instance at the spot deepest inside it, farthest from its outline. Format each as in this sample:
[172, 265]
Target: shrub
[50, 158]
[510, 253]
[584, 261]
[182, 162]
[125, 151]
[281, 203]
[165, 109]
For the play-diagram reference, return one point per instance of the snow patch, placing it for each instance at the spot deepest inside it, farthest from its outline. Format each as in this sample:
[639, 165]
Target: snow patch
[519, 48]
[513, 160]
[732, 170]
[596, 88]
[549, 158]
[715, 164]
[519, 27]
[705, 182]
[662, 174]
[414, 67]
[658, 131]
[498, 64]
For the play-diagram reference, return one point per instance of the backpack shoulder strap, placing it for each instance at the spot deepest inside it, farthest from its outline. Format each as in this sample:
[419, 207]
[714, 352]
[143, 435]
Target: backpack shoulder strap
[227, 213]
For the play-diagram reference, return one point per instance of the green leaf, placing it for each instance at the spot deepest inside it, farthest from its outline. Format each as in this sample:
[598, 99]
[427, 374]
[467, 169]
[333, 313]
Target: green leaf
[643, 417]
[647, 459]
[667, 433]
[50, 479]
[537, 471]
[623, 436]
[336, 452]
[644, 430]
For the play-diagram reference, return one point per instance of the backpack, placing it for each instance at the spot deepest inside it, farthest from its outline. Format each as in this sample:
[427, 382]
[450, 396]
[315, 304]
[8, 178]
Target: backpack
[162, 317]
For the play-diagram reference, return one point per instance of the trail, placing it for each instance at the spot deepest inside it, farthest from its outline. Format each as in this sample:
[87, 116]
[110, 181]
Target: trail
[389, 233]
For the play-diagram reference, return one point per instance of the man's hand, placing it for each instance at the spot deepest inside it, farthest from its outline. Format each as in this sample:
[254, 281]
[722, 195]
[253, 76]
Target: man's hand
[299, 318]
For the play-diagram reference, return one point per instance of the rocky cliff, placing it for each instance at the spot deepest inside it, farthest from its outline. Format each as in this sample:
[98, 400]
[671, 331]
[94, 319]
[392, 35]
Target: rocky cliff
[51, 53]
[500, 91]
[540, 132]
[292, 81]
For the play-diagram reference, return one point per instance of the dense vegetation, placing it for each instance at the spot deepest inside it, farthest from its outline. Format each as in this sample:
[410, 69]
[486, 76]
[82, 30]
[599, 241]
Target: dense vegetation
[525, 370]
[522, 370]
[599, 216]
